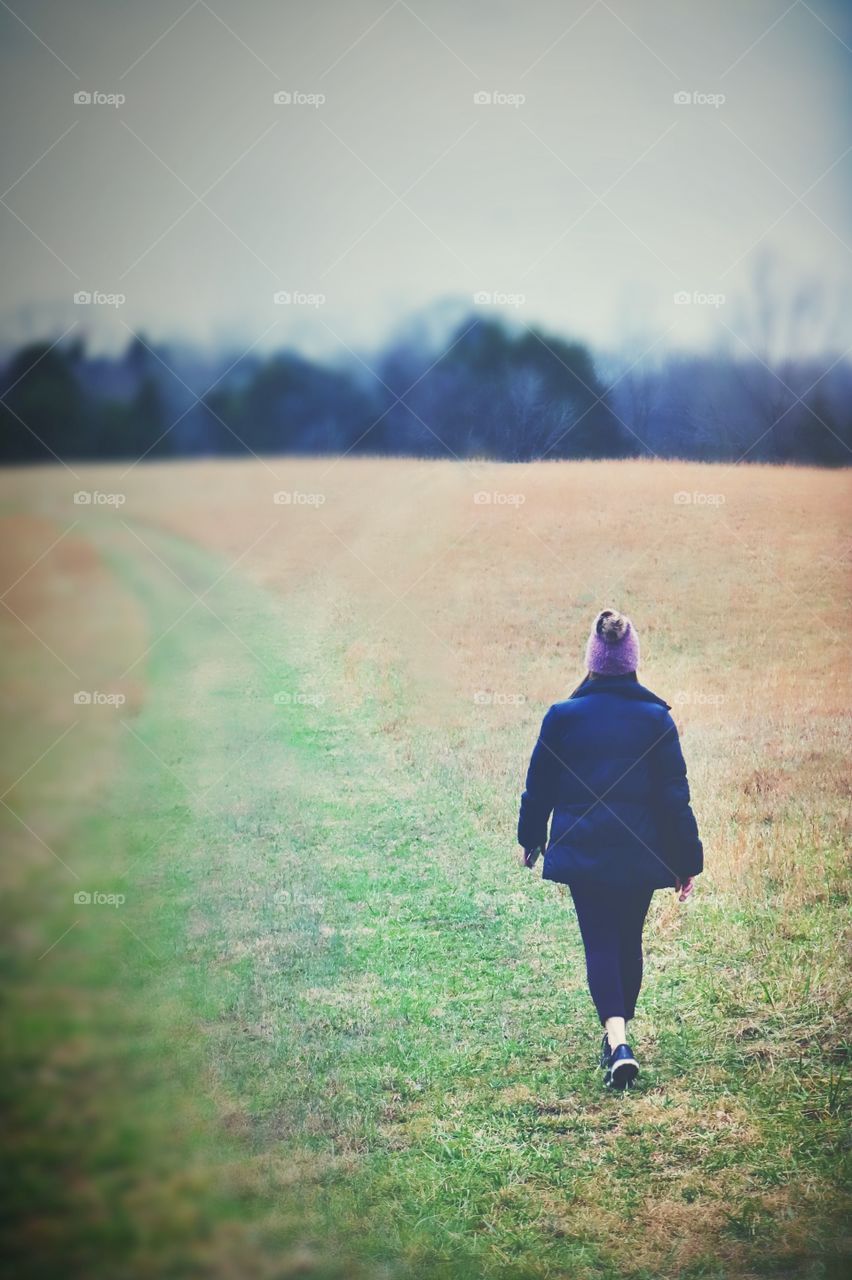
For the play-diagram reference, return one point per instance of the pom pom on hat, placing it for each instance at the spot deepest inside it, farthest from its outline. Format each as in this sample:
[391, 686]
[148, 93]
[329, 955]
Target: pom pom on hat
[613, 645]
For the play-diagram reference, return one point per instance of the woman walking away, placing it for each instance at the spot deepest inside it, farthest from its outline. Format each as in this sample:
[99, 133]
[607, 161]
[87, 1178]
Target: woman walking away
[608, 766]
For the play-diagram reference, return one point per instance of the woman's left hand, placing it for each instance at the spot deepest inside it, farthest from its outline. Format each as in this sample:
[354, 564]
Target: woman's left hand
[683, 888]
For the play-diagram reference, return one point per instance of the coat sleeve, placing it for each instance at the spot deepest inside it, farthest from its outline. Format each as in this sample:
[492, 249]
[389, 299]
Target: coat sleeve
[539, 795]
[679, 829]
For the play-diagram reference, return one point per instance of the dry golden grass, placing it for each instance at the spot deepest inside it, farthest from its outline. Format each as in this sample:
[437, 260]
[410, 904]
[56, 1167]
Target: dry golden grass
[67, 625]
[408, 598]
[431, 598]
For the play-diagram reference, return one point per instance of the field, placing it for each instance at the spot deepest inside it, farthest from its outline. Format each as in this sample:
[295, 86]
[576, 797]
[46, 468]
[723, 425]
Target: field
[314, 1020]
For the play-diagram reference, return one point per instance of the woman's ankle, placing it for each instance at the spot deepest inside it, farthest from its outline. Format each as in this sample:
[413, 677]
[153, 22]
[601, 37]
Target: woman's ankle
[616, 1032]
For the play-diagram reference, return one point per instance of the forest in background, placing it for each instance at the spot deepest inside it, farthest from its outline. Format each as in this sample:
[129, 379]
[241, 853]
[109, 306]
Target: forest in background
[486, 389]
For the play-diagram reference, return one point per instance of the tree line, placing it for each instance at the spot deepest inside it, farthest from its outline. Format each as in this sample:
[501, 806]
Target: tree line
[487, 391]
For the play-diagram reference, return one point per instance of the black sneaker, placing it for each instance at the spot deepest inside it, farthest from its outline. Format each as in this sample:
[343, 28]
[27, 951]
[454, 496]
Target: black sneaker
[622, 1068]
[605, 1052]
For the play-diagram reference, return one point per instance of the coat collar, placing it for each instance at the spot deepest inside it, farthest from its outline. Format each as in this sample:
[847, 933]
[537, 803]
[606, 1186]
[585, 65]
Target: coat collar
[620, 686]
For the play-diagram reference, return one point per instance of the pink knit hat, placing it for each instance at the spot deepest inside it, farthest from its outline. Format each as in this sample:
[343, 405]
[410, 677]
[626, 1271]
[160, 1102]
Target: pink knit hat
[613, 646]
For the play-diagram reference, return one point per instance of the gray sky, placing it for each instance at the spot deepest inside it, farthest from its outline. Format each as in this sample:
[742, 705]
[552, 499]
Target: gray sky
[595, 200]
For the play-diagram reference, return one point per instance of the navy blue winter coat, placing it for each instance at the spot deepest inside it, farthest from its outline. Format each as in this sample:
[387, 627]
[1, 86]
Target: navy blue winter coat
[609, 768]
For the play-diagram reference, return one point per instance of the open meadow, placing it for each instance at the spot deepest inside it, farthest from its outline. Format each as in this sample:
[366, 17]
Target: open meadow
[280, 1000]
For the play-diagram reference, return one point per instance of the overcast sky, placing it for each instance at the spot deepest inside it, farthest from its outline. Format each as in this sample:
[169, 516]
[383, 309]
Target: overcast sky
[583, 192]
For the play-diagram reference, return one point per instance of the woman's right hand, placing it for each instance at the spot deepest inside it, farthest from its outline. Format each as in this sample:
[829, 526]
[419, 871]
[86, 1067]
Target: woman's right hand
[684, 888]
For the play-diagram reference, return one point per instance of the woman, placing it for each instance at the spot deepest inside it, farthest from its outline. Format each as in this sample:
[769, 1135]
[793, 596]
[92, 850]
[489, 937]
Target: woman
[609, 768]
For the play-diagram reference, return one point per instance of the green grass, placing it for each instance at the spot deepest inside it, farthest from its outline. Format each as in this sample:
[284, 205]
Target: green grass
[335, 1031]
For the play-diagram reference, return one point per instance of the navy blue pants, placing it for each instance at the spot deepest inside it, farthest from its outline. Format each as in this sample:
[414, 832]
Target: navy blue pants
[611, 923]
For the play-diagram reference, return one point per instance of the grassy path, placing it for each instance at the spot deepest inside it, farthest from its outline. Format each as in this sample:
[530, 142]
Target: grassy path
[334, 1032]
